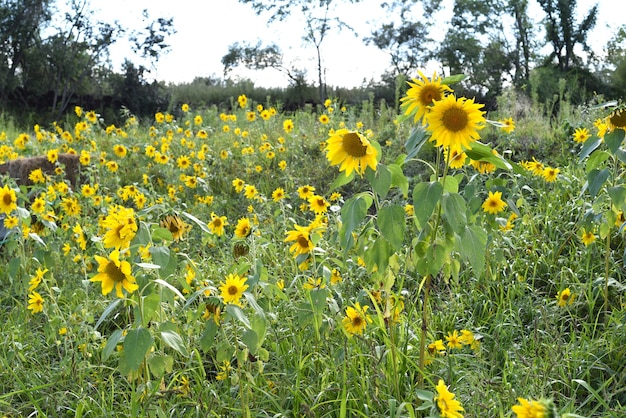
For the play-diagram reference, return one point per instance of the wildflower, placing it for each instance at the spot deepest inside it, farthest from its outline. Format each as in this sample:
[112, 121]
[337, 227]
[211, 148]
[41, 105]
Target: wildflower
[217, 224]
[335, 276]
[243, 228]
[114, 273]
[581, 135]
[35, 281]
[437, 347]
[197, 120]
[8, 200]
[302, 242]
[509, 223]
[121, 228]
[565, 297]
[37, 176]
[305, 192]
[454, 123]
[238, 184]
[422, 94]
[35, 302]
[282, 165]
[288, 125]
[456, 158]
[617, 119]
[529, 409]
[335, 196]
[494, 203]
[278, 194]
[10, 222]
[550, 174]
[324, 119]
[509, 125]
[356, 319]
[175, 225]
[120, 150]
[53, 155]
[250, 192]
[312, 283]
[601, 126]
[534, 166]
[588, 237]
[453, 339]
[447, 405]
[225, 369]
[232, 289]
[351, 151]
[183, 162]
[185, 108]
[409, 209]
[242, 100]
[467, 337]
[318, 204]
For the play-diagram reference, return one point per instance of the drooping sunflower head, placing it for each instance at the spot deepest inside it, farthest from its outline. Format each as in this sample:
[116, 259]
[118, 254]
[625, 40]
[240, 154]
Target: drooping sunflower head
[421, 95]
[617, 119]
[175, 225]
[351, 151]
[455, 123]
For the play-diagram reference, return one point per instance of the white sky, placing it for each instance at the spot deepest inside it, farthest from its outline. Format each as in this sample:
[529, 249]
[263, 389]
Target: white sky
[205, 29]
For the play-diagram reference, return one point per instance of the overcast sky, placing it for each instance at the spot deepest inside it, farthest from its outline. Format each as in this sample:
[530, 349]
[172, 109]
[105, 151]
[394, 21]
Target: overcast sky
[205, 29]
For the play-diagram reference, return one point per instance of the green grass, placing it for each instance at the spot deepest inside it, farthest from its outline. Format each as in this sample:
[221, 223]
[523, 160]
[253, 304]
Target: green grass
[159, 352]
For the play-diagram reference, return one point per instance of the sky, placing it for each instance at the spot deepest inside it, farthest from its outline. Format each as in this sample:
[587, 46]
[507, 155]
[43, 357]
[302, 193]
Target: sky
[206, 28]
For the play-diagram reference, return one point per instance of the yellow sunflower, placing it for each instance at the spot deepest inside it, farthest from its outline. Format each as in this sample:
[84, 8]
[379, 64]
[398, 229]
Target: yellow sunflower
[565, 297]
[114, 273]
[422, 94]
[302, 242]
[120, 228]
[35, 302]
[529, 409]
[8, 200]
[454, 123]
[175, 225]
[356, 319]
[617, 119]
[447, 405]
[217, 224]
[581, 135]
[352, 151]
[243, 228]
[318, 204]
[232, 289]
[494, 203]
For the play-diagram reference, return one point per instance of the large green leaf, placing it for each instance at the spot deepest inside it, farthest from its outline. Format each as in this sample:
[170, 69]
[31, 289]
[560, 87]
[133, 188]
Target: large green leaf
[137, 343]
[378, 255]
[425, 198]
[589, 146]
[380, 180]
[173, 340]
[391, 222]
[352, 213]
[481, 152]
[472, 245]
[618, 195]
[596, 179]
[419, 136]
[111, 344]
[398, 179]
[454, 211]
[614, 139]
[208, 335]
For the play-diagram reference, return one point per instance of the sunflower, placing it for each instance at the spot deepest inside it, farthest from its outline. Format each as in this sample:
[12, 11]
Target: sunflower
[529, 409]
[217, 224]
[306, 191]
[175, 225]
[581, 135]
[35, 302]
[242, 100]
[453, 340]
[324, 119]
[422, 94]
[120, 150]
[114, 273]
[447, 405]
[287, 125]
[455, 123]
[278, 194]
[238, 184]
[456, 157]
[120, 228]
[509, 125]
[183, 162]
[302, 242]
[565, 297]
[494, 203]
[587, 237]
[318, 204]
[8, 200]
[352, 151]
[250, 191]
[356, 319]
[550, 174]
[617, 119]
[243, 228]
[232, 289]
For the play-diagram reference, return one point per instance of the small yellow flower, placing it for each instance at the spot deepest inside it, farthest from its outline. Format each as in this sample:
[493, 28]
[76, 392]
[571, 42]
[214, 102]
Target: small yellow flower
[565, 297]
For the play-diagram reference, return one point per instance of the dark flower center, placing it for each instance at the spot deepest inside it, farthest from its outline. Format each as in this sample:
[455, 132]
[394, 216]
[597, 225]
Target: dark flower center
[454, 119]
[353, 145]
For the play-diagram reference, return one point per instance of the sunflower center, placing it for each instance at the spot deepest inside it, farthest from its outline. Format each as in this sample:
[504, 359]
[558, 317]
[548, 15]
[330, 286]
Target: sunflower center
[114, 272]
[454, 119]
[303, 242]
[357, 321]
[353, 145]
[232, 290]
[428, 94]
[217, 222]
[7, 199]
[564, 296]
[618, 119]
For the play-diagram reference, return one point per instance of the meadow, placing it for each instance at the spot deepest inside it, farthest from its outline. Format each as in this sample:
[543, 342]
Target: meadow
[436, 261]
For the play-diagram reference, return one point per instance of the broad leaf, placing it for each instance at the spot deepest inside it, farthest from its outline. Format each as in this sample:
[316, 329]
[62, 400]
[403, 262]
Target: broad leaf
[391, 222]
[137, 343]
[425, 199]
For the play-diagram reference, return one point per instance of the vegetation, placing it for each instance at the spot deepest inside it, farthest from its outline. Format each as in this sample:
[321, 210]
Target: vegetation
[332, 262]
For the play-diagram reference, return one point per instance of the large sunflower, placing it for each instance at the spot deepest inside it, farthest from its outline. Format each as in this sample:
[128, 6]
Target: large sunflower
[422, 94]
[356, 319]
[114, 273]
[454, 123]
[352, 150]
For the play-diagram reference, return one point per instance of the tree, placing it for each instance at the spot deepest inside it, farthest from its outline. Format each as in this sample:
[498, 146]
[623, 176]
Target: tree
[563, 34]
[406, 37]
[318, 23]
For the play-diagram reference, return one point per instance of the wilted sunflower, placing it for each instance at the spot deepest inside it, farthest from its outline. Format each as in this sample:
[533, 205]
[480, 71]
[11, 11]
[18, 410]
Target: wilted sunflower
[422, 94]
[175, 225]
[351, 151]
[232, 289]
[114, 273]
[617, 119]
[455, 123]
